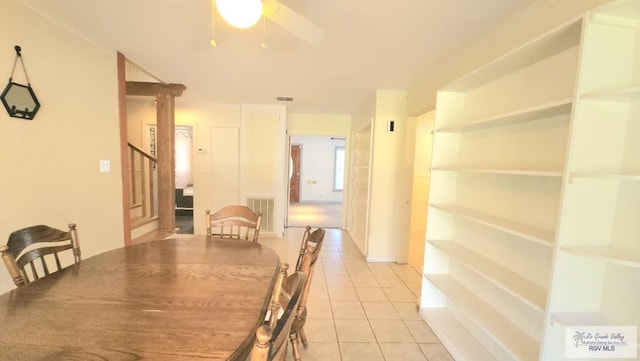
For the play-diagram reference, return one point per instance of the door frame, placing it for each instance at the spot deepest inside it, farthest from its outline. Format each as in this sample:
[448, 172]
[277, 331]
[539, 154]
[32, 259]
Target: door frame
[292, 168]
[346, 188]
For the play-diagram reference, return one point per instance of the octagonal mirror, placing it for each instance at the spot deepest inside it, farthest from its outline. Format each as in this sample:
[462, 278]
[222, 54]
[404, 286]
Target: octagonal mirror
[20, 101]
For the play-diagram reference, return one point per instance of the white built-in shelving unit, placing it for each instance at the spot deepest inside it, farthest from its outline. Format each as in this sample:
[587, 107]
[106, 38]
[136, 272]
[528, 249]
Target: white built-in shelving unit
[360, 186]
[597, 273]
[535, 193]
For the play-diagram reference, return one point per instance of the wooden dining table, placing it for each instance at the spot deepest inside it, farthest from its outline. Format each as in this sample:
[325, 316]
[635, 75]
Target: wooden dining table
[196, 298]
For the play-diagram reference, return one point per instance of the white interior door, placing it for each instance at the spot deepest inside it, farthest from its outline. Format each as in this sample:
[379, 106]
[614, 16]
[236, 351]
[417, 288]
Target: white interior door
[225, 180]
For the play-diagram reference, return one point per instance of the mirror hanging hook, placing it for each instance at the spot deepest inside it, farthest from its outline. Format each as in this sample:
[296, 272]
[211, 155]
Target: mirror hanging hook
[19, 100]
[15, 61]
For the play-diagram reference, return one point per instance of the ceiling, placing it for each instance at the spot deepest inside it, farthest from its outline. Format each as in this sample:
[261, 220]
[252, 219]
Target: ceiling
[367, 45]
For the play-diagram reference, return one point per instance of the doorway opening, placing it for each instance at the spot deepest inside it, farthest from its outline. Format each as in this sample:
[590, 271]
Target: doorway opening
[316, 178]
[424, 125]
[183, 173]
[184, 179]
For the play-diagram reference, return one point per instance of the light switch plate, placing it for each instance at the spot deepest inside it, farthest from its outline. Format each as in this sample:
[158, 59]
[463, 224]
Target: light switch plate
[105, 166]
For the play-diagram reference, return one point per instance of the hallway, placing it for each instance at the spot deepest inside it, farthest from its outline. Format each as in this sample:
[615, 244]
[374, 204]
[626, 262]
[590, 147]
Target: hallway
[325, 215]
[359, 310]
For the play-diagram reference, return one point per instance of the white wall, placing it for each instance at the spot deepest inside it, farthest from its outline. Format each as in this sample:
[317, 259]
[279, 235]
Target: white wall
[389, 209]
[386, 237]
[317, 163]
[263, 160]
[49, 166]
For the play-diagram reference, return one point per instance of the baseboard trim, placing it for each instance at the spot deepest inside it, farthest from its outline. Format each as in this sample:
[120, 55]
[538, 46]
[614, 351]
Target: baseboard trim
[380, 259]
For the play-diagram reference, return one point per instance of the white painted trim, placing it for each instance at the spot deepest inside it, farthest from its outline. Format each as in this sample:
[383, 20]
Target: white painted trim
[381, 259]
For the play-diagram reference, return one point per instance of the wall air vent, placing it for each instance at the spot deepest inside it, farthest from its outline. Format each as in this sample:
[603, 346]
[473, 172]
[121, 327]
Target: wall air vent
[267, 207]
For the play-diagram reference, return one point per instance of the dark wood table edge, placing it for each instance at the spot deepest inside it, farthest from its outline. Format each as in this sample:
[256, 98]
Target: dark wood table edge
[242, 353]
[244, 350]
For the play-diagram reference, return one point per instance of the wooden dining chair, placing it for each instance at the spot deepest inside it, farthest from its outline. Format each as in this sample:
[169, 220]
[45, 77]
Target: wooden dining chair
[309, 252]
[38, 247]
[271, 338]
[237, 222]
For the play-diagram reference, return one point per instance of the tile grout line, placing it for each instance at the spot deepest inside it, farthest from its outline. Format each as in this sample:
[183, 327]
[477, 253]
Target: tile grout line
[365, 312]
[337, 254]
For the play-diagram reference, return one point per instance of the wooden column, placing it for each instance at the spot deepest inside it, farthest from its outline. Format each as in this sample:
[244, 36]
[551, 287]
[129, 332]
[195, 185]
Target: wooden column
[124, 149]
[165, 137]
[165, 140]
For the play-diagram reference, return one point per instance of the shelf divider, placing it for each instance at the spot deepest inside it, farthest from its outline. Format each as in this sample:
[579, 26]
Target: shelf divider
[608, 176]
[532, 294]
[454, 335]
[521, 172]
[627, 94]
[578, 319]
[538, 112]
[610, 254]
[510, 337]
[538, 235]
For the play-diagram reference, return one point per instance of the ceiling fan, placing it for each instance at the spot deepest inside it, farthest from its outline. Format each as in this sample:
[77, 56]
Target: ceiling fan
[246, 13]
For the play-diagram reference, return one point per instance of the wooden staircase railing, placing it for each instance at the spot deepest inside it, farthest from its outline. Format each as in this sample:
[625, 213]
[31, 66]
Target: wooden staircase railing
[141, 185]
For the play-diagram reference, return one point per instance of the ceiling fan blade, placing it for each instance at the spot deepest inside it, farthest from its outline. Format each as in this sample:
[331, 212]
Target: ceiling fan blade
[293, 22]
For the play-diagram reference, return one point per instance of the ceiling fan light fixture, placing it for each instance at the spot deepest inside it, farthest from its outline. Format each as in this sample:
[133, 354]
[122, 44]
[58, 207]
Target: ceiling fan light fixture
[241, 14]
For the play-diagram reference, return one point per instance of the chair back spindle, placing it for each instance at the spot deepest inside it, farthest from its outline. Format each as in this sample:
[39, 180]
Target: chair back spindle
[309, 253]
[271, 341]
[237, 222]
[28, 248]
[276, 294]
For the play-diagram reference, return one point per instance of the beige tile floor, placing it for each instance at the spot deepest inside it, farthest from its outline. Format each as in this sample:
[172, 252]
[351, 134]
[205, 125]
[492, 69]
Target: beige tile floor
[359, 310]
[328, 215]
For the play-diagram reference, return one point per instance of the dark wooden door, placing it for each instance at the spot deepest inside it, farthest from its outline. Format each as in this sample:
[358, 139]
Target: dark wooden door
[294, 182]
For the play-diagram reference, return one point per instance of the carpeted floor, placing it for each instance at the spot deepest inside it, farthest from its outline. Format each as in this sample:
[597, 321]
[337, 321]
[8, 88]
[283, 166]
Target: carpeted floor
[327, 215]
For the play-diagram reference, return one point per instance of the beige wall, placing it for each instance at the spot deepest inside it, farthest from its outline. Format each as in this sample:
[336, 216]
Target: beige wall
[318, 124]
[140, 112]
[263, 155]
[49, 167]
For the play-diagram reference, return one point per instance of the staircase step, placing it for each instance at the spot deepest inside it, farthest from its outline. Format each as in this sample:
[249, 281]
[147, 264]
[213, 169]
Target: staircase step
[152, 236]
[141, 221]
